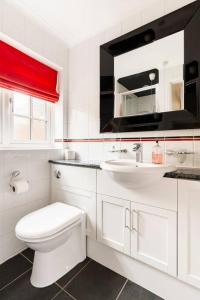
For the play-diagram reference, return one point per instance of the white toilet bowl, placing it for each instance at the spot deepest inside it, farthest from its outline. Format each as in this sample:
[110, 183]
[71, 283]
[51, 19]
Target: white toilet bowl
[57, 234]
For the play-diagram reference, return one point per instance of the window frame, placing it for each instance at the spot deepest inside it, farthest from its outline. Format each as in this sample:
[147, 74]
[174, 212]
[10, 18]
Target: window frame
[31, 118]
[7, 122]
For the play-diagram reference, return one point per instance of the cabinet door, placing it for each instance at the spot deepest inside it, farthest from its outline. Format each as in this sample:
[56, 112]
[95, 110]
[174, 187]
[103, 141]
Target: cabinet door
[113, 222]
[154, 237]
[188, 231]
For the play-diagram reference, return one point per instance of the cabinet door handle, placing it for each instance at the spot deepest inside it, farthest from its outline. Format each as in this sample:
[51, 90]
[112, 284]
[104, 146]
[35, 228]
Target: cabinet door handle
[127, 210]
[134, 220]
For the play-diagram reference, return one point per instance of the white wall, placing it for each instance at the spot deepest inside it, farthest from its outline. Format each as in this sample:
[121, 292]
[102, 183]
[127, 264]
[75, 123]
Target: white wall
[83, 103]
[35, 168]
[33, 165]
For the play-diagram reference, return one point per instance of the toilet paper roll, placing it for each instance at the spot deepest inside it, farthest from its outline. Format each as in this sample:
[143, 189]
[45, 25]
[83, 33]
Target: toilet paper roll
[20, 186]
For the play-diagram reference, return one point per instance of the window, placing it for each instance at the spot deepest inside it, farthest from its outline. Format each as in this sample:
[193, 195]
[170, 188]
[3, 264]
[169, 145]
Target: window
[25, 121]
[29, 91]
[30, 119]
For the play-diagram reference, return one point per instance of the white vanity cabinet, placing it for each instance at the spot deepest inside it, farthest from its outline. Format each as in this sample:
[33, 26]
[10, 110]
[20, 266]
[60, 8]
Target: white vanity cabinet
[140, 222]
[160, 193]
[113, 222]
[189, 231]
[147, 233]
[76, 186]
[144, 223]
[154, 237]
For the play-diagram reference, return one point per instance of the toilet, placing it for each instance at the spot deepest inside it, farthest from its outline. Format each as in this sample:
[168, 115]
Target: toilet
[57, 235]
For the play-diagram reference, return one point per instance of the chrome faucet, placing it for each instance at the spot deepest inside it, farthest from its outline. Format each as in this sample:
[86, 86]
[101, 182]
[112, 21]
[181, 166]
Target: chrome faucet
[137, 148]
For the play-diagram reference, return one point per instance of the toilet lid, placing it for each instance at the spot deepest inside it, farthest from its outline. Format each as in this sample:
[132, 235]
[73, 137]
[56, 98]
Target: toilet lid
[47, 221]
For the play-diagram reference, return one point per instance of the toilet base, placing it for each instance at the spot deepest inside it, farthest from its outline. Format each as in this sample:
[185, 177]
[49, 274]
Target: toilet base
[48, 267]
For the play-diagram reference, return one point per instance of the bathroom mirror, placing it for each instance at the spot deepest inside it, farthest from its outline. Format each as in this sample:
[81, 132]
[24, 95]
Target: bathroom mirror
[149, 78]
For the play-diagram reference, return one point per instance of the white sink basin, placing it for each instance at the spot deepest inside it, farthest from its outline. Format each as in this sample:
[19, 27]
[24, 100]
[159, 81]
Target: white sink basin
[130, 166]
[119, 165]
[131, 174]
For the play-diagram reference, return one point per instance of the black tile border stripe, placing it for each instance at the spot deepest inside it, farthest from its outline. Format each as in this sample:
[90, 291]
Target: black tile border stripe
[140, 139]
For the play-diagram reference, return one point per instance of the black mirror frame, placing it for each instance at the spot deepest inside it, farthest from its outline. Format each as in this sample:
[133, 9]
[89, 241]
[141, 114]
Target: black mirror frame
[187, 19]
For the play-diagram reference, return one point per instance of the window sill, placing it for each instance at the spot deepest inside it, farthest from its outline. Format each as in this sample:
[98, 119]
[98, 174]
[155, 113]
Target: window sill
[30, 147]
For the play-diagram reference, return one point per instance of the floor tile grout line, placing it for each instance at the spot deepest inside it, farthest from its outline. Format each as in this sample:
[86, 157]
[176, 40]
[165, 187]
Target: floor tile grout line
[26, 258]
[69, 294]
[76, 274]
[62, 290]
[62, 287]
[58, 293]
[120, 292]
[8, 284]
[58, 285]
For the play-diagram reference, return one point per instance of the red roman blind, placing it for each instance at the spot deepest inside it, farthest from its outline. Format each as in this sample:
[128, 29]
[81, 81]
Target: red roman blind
[22, 73]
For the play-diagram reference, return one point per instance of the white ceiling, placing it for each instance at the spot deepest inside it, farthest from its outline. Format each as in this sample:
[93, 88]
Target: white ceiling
[76, 20]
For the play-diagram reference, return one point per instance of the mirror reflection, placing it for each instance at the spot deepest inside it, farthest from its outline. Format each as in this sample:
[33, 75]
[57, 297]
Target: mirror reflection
[150, 78]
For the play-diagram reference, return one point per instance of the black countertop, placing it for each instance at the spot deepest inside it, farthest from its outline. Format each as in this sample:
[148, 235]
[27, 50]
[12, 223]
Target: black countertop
[184, 173]
[77, 163]
[180, 173]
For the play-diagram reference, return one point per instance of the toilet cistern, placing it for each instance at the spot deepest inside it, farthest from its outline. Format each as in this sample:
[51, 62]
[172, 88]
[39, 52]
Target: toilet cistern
[137, 148]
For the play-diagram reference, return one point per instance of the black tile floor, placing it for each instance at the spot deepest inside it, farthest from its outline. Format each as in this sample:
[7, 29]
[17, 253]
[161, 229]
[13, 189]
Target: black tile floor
[87, 281]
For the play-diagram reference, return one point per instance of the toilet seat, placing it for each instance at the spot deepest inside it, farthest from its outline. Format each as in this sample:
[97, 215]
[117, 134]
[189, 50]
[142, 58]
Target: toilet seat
[50, 237]
[47, 222]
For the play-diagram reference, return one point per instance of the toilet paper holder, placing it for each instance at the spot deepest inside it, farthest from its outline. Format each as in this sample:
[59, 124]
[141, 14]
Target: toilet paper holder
[12, 183]
[14, 174]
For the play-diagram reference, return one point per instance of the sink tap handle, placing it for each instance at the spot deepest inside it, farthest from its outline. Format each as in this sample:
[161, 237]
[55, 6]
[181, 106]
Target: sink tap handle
[137, 146]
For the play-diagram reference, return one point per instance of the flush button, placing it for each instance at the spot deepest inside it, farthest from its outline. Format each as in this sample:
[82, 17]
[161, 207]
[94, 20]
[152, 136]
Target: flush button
[57, 174]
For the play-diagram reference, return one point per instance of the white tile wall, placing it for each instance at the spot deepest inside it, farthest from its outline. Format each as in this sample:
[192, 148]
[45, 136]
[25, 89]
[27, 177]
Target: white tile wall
[99, 151]
[83, 113]
[33, 165]
[171, 5]
[131, 23]
[154, 12]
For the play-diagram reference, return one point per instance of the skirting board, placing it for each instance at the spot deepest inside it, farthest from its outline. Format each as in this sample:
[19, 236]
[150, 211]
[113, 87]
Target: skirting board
[161, 284]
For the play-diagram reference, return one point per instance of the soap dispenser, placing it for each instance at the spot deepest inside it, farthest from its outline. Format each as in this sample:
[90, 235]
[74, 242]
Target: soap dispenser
[157, 154]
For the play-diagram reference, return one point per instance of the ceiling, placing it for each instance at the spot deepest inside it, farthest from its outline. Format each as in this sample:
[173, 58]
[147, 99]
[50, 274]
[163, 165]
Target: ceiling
[76, 20]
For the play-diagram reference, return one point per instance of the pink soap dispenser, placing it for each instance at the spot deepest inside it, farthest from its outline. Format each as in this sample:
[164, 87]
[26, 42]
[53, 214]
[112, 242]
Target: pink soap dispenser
[157, 154]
